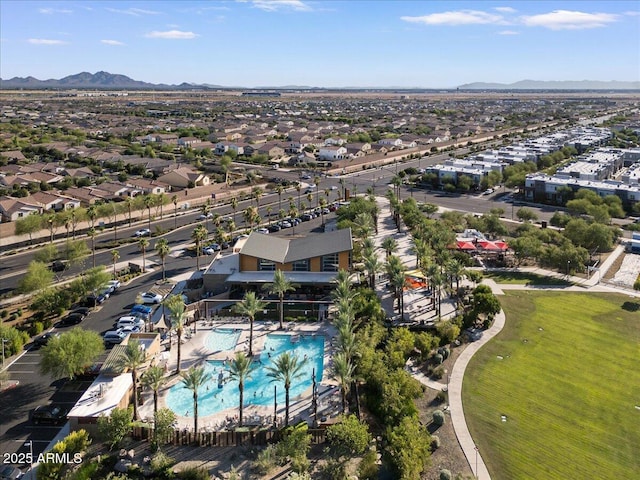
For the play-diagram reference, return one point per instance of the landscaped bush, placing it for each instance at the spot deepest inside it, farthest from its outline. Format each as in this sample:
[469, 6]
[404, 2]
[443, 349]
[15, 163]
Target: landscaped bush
[636, 284]
[445, 352]
[438, 359]
[438, 418]
[194, 473]
[266, 460]
[300, 464]
[437, 373]
[441, 396]
[160, 463]
[36, 328]
[4, 314]
[368, 468]
[445, 474]
[435, 442]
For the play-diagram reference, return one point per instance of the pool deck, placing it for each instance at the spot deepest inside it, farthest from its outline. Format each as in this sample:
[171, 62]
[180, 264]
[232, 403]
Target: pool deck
[195, 352]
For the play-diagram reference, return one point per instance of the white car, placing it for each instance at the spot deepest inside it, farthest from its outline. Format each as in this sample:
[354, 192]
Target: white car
[149, 297]
[333, 187]
[264, 231]
[129, 321]
[113, 285]
[143, 232]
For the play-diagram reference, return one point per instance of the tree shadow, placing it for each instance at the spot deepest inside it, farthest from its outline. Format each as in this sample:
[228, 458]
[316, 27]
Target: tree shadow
[631, 306]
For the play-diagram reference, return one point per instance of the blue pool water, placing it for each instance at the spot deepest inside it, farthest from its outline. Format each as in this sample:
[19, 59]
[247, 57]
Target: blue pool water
[222, 339]
[258, 389]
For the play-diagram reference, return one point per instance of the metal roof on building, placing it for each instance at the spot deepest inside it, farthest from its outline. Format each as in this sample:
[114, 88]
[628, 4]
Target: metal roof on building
[286, 250]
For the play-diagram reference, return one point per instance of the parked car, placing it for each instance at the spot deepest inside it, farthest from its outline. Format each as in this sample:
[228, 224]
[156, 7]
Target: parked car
[333, 187]
[131, 329]
[7, 472]
[143, 232]
[54, 414]
[92, 300]
[211, 249]
[129, 321]
[58, 266]
[262, 230]
[113, 285]
[325, 211]
[285, 224]
[306, 217]
[82, 310]
[149, 297]
[44, 339]
[142, 316]
[71, 319]
[274, 228]
[225, 245]
[142, 309]
[114, 337]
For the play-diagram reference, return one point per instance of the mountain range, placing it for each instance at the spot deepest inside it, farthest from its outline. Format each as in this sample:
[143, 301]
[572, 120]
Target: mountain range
[105, 80]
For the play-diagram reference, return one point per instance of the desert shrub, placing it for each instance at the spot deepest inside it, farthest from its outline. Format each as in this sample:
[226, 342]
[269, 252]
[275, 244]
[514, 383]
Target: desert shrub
[438, 418]
[334, 470]
[4, 314]
[266, 460]
[299, 476]
[368, 468]
[445, 352]
[438, 358]
[435, 442]
[160, 462]
[441, 396]
[300, 464]
[13, 317]
[445, 474]
[19, 312]
[438, 373]
[636, 284]
[36, 328]
[77, 441]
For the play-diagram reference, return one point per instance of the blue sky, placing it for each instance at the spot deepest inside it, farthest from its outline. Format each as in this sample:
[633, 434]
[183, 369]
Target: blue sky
[430, 44]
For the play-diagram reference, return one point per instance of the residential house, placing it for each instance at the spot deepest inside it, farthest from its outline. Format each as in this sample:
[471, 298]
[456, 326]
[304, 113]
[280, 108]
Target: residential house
[183, 177]
[271, 149]
[13, 156]
[12, 209]
[54, 201]
[332, 153]
[390, 142]
[191, 142]
[147, 186]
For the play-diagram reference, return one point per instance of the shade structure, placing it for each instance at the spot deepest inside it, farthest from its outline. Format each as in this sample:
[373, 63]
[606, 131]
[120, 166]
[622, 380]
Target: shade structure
[492, 246]
[465, 245]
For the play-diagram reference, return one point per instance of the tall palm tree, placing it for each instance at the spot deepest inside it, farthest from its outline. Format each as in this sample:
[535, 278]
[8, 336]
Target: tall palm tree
[372, 265]
[234, 207]
[154, 379]
[343, 371]
[298, 189]
[175, 305]
[199, 235]
[398, 281]
[280, 286]
[240, 369]
[250, 306]
[293, 213]
[323, 205]
[115, 256]
[389, 245]
[434, 274]
[279, 190]
[92, 214]
[316, 182]
[133, 358]
[129, 203]
[363, 226]
[143, 243]
[285, 369]
[92, 233]
[256, 192]
[162, 250]
[148, 203]
[174, 200]
[193, 379]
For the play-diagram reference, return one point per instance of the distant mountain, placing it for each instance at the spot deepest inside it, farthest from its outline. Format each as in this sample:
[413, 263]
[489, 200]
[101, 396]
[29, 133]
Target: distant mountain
[553, 85]
[102, 80]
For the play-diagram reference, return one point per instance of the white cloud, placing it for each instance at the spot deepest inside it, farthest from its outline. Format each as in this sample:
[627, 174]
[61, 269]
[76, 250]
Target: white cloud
[569, 20]
[135, 12]
[115, 43]
[631, 13]
[172, 35]
[460, 17]
[275, 5]
[505, 9]
[51, 11]
[45, 41]
[508, 32]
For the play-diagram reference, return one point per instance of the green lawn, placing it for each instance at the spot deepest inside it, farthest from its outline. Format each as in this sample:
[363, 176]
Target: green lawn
[525, 278]
[565, 371]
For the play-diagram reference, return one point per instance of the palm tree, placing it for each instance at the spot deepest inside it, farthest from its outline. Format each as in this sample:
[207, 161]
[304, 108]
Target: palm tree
[92, 214]
[133, 358]
[363, 226]
[372, 265]
[92, 233]
[343, 372]
[323, 205]
[162, 249]
[434, 275]
[174, 200]
[257, 192]
[398, 281]
[175, 305]
[298, 189]
[154, 379]
[389, 245]
[234, 207]
[286, 369]
[249, 306]
[115, 256]
[148, 203]
[293, 213]
[240, 369]
[193, 379]
[225, 164]
[316, 182]
[280, 286]
[129, 203]
[199, 235]
[279, 190]
[143, 243]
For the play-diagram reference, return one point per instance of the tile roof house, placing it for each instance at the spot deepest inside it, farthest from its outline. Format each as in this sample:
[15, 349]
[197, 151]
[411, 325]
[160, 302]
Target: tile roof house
[12, 209]
[148, 186]
[182, 177]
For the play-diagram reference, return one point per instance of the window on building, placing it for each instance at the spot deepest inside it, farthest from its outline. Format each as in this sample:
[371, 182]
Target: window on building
[301, 265]
[266, 265]
[330, 262]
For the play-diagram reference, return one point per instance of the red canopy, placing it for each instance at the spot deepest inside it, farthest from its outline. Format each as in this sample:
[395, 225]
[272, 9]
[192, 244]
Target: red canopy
[465, 245]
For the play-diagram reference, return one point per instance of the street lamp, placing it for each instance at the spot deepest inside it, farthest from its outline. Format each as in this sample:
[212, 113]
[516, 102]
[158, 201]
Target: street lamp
[568, 264]
[4, 340]
[30, 444]
[476, 449]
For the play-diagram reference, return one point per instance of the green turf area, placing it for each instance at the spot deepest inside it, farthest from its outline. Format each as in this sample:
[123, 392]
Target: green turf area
[524, 278]
[565, 371]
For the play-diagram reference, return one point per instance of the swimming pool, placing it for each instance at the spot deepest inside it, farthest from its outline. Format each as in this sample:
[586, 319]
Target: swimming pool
[222, 339]
[258, 390]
